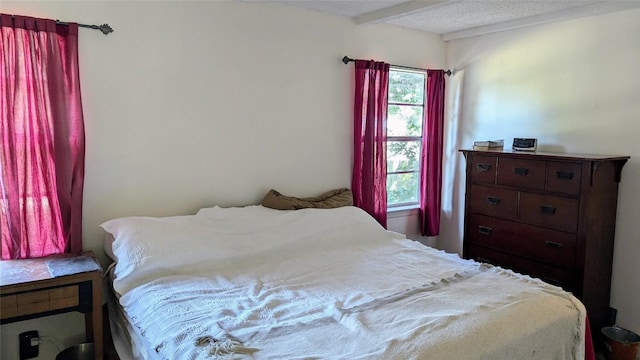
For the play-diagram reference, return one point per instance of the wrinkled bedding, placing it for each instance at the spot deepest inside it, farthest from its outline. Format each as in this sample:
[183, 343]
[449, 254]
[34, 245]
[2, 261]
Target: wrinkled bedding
[327, 200]
[325, 284]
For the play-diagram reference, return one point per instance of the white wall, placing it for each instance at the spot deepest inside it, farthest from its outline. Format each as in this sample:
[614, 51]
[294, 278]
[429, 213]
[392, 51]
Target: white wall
[191, 104]
[575, 86]
[407, 222]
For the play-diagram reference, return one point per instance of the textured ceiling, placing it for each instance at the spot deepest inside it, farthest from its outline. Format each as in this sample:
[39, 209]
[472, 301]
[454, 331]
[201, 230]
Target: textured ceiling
[462, 18]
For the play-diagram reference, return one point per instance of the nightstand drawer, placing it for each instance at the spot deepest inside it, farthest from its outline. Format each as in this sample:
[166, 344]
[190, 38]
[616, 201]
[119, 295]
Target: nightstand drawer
[64, 297]
[539, 244]
[33, 302]
[45, 300]
[522, 173]
[551, 211]
[494, 202]
[8, 307]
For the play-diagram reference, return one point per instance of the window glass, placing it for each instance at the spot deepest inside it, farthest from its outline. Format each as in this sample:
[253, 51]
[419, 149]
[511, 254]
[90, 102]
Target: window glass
[404, 120]
[403, 156]
[406, 87]
[402, 188]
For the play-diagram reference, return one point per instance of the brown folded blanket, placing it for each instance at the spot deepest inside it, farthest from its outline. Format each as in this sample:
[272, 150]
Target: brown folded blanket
[328, 200]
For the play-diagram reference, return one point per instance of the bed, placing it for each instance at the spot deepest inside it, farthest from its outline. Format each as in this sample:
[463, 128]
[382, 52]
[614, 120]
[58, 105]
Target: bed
[258, 283]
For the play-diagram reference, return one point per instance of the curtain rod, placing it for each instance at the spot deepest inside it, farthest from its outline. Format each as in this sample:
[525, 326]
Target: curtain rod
[105, 28]
[347, 60]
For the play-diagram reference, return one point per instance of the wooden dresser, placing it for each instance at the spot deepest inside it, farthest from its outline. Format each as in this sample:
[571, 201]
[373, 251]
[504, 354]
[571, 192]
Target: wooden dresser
[548, 215]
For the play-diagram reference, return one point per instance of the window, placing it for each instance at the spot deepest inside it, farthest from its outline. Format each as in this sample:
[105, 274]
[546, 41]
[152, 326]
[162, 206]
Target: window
[405, 115]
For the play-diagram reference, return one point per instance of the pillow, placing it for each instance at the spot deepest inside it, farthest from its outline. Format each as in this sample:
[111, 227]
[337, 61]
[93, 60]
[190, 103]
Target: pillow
[224, 239]
[328, 200]
[142, 246]
[148, 247]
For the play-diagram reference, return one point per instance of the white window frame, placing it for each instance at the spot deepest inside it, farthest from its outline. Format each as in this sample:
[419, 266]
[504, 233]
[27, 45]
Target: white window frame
[411, 204]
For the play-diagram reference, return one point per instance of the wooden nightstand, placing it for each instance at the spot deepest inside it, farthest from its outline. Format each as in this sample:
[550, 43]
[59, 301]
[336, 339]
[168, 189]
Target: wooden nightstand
[32, 288]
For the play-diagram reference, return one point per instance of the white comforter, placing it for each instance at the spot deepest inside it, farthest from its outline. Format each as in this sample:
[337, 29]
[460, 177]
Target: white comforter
[258, 283]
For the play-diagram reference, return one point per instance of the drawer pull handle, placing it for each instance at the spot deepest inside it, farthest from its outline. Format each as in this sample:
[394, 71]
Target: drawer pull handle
[564, 175]
[493, 200]
[548, 210]
[521, 171]
[552, 244]
[484, 230]
[483, 167]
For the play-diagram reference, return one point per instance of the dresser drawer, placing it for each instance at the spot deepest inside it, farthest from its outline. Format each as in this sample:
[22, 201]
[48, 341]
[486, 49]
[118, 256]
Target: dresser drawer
[536, 243]
[564, 177]
[522, 173]
[495, 202]
[483, 169]
[551, 274]
[551, 211]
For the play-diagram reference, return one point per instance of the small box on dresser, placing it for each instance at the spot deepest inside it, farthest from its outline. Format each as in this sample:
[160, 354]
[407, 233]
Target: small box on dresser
[548, 215]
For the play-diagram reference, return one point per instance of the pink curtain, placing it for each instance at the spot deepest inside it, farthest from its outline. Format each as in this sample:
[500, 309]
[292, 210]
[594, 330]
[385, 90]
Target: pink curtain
[431, 172]
[369, 181]
[42, 131]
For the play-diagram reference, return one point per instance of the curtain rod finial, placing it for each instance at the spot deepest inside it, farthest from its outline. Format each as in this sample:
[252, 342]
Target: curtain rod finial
[346, 60]
[105, 28]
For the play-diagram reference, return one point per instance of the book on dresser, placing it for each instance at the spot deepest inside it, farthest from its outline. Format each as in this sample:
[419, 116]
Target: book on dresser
[488, 145]
[548, 215]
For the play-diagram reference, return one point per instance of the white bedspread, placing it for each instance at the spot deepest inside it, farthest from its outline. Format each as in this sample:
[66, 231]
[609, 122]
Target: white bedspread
[328, 284]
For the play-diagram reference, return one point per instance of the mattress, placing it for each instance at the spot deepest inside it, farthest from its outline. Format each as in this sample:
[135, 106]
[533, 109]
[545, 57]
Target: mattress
[258, 283]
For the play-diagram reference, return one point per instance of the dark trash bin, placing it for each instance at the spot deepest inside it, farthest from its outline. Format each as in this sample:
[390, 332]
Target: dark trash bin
[83, 351]
[621, 344]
